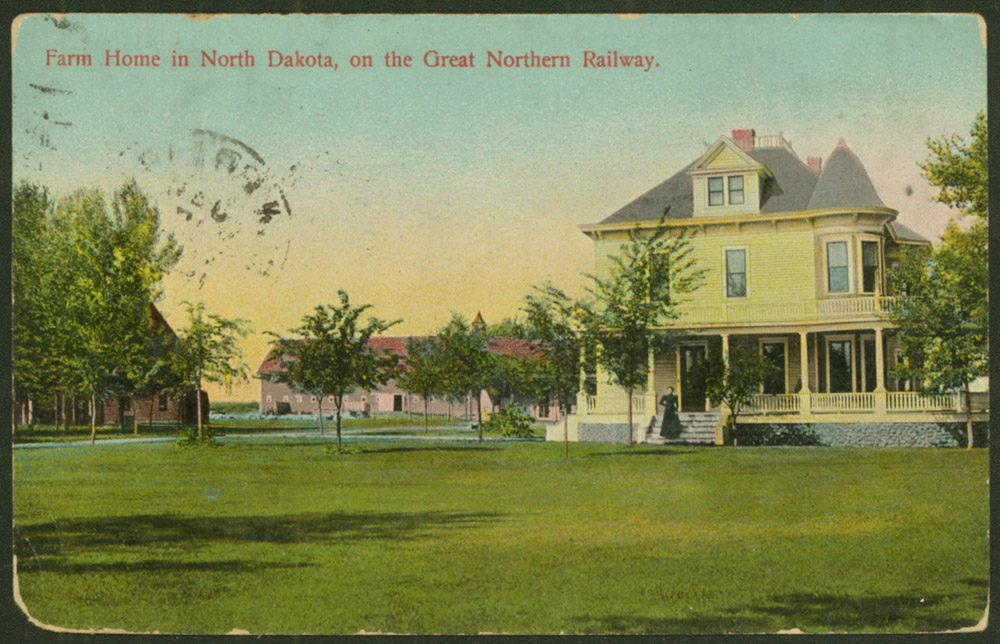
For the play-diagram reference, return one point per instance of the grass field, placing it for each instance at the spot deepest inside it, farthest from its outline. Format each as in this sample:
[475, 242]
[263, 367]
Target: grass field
[423, 537]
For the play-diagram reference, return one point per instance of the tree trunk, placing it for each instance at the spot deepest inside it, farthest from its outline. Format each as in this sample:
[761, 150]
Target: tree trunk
[55, 411]
[154, 398]
[72, 409]
[566, 431]
[629, 416]
[320, 399]
[968, 412]
[339, 400]
[31, 413]
[449, 411]
[93, 417]
[197, 394]
[479, 415]
[425, 415]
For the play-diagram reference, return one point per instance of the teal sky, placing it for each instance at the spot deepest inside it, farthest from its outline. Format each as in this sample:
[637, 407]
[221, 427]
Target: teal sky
[426, 191]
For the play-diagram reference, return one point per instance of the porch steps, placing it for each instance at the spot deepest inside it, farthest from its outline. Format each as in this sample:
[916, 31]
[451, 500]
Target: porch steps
[697, 428]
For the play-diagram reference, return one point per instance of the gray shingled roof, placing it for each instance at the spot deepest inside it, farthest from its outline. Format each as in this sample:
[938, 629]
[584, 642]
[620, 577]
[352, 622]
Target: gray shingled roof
[905, 233]
[675, 193]
[844, 183]
[793, 186]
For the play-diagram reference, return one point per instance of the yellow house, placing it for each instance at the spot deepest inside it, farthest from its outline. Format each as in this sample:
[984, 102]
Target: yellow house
[795, 257]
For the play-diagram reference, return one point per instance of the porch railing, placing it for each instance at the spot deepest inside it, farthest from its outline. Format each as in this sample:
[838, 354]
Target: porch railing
[615, 404]
[783, 311]
[773, 404]
[952, 403]
[842, 402]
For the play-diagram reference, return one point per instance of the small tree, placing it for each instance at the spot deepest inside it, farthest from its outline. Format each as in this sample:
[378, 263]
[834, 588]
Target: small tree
[467, 360]
[207, 350]
[423, 374]
[562, 341]
[735, 381]
[331, 355]
[631, 308]
[942, 314]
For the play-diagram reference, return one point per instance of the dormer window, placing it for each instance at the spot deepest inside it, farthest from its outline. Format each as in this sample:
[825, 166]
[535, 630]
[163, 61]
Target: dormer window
[736, 189]
[716, 191]
[726, 190]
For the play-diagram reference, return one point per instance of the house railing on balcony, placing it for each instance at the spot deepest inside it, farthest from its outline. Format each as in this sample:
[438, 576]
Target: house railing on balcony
[615, 404]
[783, 311]
[773, 404]
[842, 402]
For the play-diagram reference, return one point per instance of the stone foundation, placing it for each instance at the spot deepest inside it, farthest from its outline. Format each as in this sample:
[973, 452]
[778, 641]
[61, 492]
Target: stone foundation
[603, 433]
[863, 434]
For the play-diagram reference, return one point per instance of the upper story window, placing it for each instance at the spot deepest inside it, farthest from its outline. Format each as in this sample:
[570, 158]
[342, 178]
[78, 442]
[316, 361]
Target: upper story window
[726, 190]
[736, 189]
[736, 272]
[716, 191]
[836, 267]
[869, 266]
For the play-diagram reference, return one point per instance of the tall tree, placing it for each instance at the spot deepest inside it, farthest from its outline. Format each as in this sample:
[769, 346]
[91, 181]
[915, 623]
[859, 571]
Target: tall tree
[942, 314]
[208, 351]
[119, 259]
[329, 354]
[629, 310]
[467, 360]
[423, 373]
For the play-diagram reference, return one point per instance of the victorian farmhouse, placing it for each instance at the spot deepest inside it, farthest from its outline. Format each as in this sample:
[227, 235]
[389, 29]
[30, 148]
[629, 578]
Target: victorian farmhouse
[795, 256]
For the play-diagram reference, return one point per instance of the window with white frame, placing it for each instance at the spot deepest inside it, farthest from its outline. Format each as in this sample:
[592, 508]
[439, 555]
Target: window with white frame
[736, 189]
[736, 272]
[838, 278]
[869, 266]
[716, 191]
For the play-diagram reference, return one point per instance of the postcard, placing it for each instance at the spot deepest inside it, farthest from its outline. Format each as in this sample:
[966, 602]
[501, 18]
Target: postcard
[436, 324]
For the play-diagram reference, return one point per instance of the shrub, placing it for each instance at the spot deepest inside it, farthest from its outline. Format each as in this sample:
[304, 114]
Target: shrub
[191, 439]
[510, 422]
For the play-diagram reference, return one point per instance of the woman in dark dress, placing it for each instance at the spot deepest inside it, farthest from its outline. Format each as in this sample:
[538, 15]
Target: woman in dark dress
[671, 427]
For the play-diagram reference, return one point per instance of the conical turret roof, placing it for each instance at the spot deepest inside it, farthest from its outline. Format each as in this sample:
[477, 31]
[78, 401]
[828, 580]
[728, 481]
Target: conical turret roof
[844, 183]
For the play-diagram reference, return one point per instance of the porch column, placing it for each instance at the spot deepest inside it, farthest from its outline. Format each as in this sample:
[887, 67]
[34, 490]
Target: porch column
[804, 392]
[881, 402]
[581, 395]
[649, 402]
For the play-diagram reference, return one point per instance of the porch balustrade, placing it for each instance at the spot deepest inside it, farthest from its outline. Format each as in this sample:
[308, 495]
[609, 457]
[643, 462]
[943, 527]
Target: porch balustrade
[842, 402]
[773, 404]
[741, 313]
[615, 404]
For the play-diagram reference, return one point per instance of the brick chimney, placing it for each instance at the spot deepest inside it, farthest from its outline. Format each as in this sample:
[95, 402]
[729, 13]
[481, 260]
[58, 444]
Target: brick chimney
[744, 139]
[815, 164]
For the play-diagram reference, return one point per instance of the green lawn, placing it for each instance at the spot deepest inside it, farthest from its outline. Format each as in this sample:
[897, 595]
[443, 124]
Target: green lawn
[422, 537]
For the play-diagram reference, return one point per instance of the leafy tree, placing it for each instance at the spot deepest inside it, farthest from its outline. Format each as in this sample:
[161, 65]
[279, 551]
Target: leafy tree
[629, 310]
[208, 351]
[562, 341]
[119, 260]
[735, 381]
[330, 355]
[942, 314]
[423, 374]
[467, 360]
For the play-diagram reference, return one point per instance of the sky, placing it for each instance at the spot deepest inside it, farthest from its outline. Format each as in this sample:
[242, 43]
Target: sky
[430, 190]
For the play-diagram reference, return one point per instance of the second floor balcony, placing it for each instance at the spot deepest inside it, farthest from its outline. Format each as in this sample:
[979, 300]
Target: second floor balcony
[847, 308]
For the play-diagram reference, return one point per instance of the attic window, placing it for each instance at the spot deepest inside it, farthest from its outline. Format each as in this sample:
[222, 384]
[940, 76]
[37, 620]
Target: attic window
[736, 189]
[716, 191]
[717, 188]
